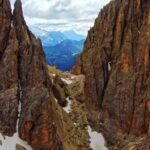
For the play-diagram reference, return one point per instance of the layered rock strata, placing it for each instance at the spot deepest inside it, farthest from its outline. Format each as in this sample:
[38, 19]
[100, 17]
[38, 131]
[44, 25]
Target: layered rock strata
[116, 65]
[24, 79]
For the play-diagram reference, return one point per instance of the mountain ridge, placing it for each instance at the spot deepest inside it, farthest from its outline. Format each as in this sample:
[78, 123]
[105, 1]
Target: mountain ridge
[69, 43]
[52, 38]
[64, 55]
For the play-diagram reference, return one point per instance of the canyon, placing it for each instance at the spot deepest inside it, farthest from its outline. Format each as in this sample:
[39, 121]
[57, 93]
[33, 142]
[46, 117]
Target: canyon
[107, 91]
[38, 107]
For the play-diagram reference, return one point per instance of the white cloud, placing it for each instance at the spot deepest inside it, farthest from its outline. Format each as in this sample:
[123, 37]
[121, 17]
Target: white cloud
[62, 14]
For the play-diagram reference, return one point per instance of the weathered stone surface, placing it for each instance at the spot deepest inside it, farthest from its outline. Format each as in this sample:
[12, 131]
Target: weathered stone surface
[8, 71]
[5, 23]
[132, 143]
[24, 77]
[76, 88]
[58, 89]
[59, 94]
[116, 65]
[58, 81]
[19, 147]
[36, 113]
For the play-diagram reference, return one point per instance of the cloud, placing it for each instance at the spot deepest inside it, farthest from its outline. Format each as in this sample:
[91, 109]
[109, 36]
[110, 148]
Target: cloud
[58, 9]
[76, 14]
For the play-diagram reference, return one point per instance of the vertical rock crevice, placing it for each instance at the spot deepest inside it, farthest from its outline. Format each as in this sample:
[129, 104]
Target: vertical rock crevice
[122, 36]
[8, 71]
[24, 79]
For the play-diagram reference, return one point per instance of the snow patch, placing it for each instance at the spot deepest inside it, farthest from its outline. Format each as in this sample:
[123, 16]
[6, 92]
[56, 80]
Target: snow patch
[9, 143]
[75, 123]
[12, 24]
[68, 107]
[53, 75]
[67, 81]
[97, 141]
[55, 100]
[109, 65]
[73, 76]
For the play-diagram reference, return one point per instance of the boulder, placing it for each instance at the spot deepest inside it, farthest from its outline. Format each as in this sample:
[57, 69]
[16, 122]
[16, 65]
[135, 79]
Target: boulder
[59, 94]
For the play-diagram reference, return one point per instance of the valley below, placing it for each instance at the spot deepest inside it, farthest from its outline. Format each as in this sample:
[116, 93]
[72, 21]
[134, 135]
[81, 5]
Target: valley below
[62, 49]
[68, 100]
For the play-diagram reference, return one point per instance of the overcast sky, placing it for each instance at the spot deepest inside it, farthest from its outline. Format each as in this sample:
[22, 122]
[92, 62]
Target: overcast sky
[78, 15]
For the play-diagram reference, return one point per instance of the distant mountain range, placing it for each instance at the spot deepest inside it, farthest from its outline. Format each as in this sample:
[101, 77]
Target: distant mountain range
[72, 35]
[64, 55]
[52, 38]
[61, 48]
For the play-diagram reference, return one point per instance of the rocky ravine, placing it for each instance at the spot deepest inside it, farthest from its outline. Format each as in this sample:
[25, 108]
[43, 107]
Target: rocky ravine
[31, 97]
[116, 65]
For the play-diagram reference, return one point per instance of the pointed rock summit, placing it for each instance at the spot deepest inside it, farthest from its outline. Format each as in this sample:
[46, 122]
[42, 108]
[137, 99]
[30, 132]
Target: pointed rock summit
[24, 82]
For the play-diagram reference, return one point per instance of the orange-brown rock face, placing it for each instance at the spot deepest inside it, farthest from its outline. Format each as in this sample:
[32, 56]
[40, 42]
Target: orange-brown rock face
[8, 71]
[116, 65]
[24, 79]
[5, 22]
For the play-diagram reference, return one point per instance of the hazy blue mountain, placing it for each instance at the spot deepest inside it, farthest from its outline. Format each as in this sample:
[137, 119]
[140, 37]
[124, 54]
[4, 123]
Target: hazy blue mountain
[64, 55]
[72, 35]
[38, 31]
[48, 38]
[56, 37]
[61, 48]
[52, 38]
